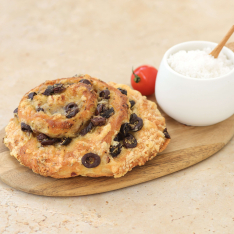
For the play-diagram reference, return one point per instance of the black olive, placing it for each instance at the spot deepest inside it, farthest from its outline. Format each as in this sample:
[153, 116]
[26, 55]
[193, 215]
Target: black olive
[72, 113]
[98, 121]
[90, 160]
[115, 150]
[99, 109]
[119, 137]
[25, 127]
[125, 128]
[129, 141]
[40, 109]
[166, 134]
[87, 129]
[42, 137]
[132, 102]
[66, 141]
[71, 109]
[58, 88]
[85, 81]
[45, 140]
[52, 89]
[15, 111]
[136, 122]
[105, 94]
[108, 113]
[31, 95]
[123, 91]
[49, 90]
[70, 106]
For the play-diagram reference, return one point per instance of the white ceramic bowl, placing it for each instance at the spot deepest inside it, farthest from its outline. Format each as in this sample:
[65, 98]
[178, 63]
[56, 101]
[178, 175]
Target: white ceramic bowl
[192, 101]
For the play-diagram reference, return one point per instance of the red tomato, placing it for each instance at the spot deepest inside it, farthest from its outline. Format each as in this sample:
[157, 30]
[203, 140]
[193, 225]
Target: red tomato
[143, 79]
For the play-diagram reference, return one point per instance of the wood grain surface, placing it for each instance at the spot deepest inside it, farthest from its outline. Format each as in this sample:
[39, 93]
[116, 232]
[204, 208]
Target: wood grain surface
[189, 145]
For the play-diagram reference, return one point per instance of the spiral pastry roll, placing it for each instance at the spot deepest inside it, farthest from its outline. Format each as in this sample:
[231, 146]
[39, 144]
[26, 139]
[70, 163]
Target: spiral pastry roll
[84, 126]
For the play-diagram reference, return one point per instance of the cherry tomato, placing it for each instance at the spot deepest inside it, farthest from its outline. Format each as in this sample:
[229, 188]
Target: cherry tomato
[143, 79]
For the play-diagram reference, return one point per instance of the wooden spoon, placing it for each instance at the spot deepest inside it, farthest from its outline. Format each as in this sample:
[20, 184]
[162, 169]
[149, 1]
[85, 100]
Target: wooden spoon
[220, 46]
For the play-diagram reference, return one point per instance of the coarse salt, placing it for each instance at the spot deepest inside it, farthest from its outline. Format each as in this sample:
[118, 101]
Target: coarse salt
[199, 64]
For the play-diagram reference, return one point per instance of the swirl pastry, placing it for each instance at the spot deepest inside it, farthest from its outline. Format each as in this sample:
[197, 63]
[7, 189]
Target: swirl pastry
[84, 126]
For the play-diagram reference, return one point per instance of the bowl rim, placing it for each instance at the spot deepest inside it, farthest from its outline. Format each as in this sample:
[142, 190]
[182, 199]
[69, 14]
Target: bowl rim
[168, 52]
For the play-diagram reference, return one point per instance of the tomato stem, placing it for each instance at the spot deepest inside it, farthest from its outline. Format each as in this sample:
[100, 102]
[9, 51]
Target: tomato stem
[137, 78]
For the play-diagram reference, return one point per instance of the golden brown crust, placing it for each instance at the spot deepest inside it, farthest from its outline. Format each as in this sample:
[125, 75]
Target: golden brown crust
[60, 161]
[52, 121]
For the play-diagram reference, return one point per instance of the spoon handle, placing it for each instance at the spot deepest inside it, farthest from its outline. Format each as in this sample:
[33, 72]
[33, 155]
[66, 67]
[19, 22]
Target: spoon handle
[215, 52]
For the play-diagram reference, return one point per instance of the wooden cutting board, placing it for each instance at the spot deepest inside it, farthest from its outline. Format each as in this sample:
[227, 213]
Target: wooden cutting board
[189, 145]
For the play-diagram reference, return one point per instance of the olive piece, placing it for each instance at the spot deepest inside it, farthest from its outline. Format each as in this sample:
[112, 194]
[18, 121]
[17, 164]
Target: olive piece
[119, 137]
[70, 106]
[99, 109]
[49, 90]
[136, 122]
[72, 113]
[85, 81]
[66, 141]
[52, 89]
[166, 134]
[45, 140]
[73, 174]
[105, 94]
[125, 128]
[31, 95]
[123, 91]
[15, 111]
[90, 160]
[132, 102]
[71, 109]
[115, 150]
[133, 118]
[40, 109]
[58, 88]
[129, 141]
[108, 113]
[25, 127]
[84, 131]
[42, 137]
[98, 121]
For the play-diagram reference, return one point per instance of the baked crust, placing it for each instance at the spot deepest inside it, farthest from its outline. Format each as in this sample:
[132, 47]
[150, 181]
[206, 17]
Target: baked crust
[61, 161]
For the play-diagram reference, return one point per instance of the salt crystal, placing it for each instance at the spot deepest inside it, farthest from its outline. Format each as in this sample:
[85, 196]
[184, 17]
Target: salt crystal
[199, 64]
